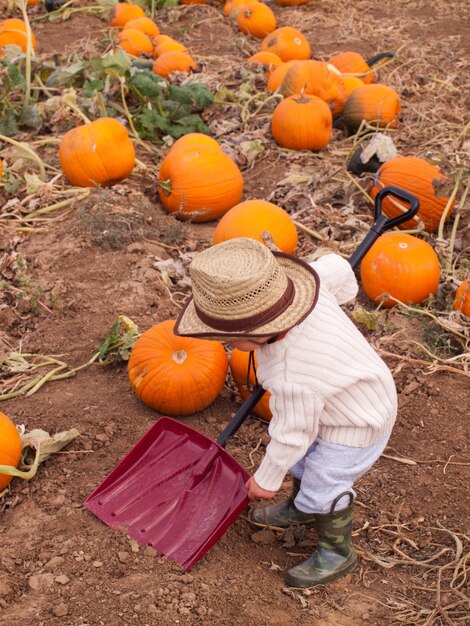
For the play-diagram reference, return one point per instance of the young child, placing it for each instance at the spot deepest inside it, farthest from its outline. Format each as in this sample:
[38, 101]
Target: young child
[333, 399]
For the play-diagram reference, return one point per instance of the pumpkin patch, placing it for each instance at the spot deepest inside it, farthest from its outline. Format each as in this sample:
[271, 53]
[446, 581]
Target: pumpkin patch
[115, 179]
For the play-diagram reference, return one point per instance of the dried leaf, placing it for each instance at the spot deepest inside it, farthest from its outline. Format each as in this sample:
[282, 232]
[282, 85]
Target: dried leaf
[368, 318]
[38, 445]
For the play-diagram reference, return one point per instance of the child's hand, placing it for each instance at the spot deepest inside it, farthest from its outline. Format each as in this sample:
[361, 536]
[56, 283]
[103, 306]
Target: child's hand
[255, 491]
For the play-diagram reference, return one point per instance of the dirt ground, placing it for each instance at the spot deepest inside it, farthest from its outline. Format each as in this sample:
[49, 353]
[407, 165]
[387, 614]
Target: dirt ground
[61, 566]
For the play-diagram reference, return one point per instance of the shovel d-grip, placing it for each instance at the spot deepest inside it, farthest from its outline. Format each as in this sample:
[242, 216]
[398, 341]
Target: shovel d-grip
[178, 490]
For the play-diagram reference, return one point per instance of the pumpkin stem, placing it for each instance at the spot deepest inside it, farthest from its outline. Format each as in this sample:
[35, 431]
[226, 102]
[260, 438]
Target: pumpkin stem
[165, 186]
[179, 356]
[378, 57]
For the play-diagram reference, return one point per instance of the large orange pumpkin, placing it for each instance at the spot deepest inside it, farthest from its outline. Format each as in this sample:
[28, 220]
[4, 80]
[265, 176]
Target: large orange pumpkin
[288, 43]
[462, 298]
[123, 12]
[402, 266]
[315, 78]
[256, 19]
[13, 32]
[352, 63]
[134, 41]
[302, 123]
[144, 24]
[173, 61]
[176, 375]
[239, 370]
[194, 141]
[98, 153]
[10, 447]
[377, 104]
[199, 184]
[420, 178]
[259, 220]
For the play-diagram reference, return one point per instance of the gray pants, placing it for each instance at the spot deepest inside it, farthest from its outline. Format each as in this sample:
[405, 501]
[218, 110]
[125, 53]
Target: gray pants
[328, 469]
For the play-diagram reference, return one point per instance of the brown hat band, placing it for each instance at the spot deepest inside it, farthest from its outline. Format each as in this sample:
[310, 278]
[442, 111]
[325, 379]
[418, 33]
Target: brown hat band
[253, 321]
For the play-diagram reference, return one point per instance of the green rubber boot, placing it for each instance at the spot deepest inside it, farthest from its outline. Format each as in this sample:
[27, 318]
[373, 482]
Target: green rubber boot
[335, 555]
[283, 514]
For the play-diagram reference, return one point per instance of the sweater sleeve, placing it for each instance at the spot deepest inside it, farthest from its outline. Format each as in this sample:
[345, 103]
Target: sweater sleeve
[337, 275]
[293, 428]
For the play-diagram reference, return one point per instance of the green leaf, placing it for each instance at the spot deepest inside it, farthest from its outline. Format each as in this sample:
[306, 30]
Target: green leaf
[188, 124]
[149, 122]
[147, 83]
[196, 94]
[90, 87]
[30, 118]
[118, 61]
[8, 124]
[15, 77]
[65, 75]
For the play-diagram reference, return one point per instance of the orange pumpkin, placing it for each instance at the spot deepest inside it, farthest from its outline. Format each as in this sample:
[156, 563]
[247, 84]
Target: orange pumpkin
[98, 153]
[256, 19]
[351, 83]
[259, 220]
[144, 24]
[315, 78]
[232, 7]
[32, 3]
[288, 43]
[176, 375]
[13, 32]
[123, 12]
[462, 298]
[302, 123]
[239, 370]
[402, 266]
[420, 178]
[278, 74]
[291, 3]
[194, 141]
[268, 59]
[353, 63]
[169, 46]
[134, 42]
[174, 61]
[377, 104]
[10, 447]
[199, 184]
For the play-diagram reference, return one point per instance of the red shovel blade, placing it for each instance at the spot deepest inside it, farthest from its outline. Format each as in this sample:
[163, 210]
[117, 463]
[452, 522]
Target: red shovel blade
[176, 490]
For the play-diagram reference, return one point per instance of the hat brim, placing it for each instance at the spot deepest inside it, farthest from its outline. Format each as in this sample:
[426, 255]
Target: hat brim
[306, 285]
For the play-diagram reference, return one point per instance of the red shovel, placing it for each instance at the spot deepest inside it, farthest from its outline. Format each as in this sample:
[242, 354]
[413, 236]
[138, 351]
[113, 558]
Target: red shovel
[178, 490]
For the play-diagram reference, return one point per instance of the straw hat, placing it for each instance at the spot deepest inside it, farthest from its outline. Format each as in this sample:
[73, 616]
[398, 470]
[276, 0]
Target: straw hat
[242, 289]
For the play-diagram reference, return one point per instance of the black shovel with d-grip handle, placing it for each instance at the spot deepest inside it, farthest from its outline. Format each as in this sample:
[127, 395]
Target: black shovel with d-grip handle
[177, 490]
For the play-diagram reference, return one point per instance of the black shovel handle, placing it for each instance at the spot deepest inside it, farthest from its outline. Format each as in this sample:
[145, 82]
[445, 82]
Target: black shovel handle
[381, 224]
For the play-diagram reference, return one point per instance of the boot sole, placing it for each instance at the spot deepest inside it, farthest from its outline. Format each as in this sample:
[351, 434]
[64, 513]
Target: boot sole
[306, 584]
[276, 527]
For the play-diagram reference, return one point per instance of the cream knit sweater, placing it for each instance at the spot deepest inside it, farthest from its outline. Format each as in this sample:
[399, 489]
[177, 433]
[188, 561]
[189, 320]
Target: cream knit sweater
[325, 380]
